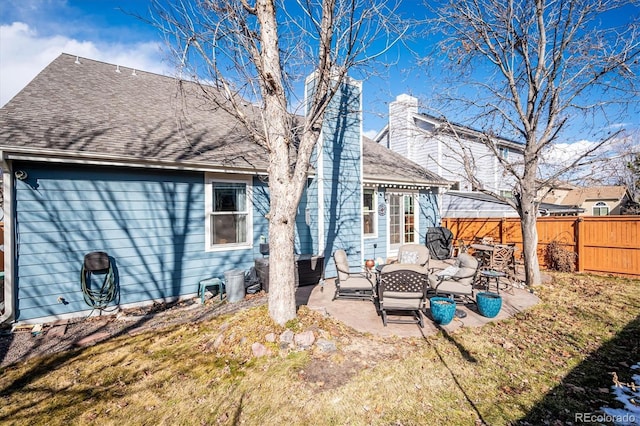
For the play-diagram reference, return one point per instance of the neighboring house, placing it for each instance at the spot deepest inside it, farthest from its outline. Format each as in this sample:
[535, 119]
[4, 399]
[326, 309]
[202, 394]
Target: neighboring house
[440, 146]
[594, 201]
[98, 157]
[459, 204]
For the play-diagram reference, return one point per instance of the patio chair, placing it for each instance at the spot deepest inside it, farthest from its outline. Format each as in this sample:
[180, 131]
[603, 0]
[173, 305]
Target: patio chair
[456, 280]
[501, 259]
[402, 289]
[352, 282]
[414, 254]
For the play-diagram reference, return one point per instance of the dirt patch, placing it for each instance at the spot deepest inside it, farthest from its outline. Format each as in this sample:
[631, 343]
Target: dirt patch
[361, 352]
[44, 339]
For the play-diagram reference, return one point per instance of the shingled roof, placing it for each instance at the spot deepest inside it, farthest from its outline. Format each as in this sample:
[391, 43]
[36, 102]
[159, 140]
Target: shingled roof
[578, 196]
[78, 107]
[381, 164]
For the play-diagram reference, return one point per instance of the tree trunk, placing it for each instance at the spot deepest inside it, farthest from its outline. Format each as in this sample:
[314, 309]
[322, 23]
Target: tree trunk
[282, 291]
[528, 220]
[284, 190]
[284, 195]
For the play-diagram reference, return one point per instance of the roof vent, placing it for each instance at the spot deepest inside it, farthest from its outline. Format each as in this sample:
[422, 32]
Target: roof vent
[134, 72]
[117, 68]
[78, 60]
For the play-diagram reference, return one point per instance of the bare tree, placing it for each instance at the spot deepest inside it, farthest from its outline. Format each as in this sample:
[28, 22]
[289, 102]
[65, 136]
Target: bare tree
[540, 69]
[259, 51]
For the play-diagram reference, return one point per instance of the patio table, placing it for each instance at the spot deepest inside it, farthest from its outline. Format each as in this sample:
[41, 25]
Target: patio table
[489, 275]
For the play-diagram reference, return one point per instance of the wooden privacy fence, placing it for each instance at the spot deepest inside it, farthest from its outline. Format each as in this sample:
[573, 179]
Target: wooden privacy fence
[603, 244]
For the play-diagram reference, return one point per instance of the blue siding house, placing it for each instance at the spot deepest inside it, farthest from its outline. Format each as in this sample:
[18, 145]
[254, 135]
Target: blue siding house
[99, 157]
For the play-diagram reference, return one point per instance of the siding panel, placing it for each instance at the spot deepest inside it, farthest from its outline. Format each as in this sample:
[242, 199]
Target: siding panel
[341, 177]
[150, 222]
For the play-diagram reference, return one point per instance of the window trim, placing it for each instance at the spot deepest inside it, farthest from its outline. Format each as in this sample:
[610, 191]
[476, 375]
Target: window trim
[374, 210]
[209, 179]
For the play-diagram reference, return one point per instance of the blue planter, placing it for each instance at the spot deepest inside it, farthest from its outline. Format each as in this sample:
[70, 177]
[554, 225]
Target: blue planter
[489, 304]
[442, 309]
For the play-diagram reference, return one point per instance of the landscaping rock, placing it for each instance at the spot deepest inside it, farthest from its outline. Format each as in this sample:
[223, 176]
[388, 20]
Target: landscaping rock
[305, 339]
[91, 339]
[219, 340]
[325, 345]
[259, 350]
[287, 337]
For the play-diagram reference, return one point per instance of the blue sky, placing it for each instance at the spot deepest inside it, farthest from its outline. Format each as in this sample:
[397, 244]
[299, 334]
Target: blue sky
[34, 32]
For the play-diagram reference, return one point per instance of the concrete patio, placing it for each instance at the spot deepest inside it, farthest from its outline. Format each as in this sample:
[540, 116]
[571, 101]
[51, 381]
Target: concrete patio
[362, 316]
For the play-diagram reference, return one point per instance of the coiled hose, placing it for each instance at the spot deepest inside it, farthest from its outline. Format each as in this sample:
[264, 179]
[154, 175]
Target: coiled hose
[98, 298]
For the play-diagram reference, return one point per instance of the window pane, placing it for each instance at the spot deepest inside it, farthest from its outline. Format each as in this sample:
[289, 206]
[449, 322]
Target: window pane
[368, 200]
[229, 213]
[600, 209]
[229, 228]
[229, 197]
[504, 152]
[368, 223]
[409, 222]
[368, 212]
[395, 219]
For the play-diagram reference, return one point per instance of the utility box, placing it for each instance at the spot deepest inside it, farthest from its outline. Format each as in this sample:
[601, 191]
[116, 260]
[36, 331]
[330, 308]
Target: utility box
[309, 270]
[262, 270]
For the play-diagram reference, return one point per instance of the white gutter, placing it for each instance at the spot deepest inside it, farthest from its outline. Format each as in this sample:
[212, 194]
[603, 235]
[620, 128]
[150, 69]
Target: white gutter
[393, 183]
[7, 185]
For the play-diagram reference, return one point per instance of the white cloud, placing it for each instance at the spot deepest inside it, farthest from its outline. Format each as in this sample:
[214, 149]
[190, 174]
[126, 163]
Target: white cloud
[25, 53]
[563, 154]
[370, 133]
[605, 166]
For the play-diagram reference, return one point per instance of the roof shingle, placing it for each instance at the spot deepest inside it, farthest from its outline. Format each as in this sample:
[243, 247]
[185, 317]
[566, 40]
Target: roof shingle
[79, 106]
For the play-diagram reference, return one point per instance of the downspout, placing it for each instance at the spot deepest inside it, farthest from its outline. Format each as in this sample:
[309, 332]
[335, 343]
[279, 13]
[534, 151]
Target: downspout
[8, 202]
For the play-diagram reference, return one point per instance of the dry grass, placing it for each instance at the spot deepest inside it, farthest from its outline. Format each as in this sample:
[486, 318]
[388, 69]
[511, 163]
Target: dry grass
[544, 364]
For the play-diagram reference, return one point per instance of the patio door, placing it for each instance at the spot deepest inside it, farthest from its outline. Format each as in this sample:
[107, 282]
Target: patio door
[402, 220]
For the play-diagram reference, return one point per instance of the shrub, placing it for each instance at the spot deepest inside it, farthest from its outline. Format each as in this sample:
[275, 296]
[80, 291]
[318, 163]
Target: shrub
[560, 259]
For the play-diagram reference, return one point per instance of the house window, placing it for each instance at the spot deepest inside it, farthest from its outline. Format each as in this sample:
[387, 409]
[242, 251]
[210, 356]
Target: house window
[228, 217]
[506, 194]
[600, 209]
[504, 153]
[369, 212]
[402, 219]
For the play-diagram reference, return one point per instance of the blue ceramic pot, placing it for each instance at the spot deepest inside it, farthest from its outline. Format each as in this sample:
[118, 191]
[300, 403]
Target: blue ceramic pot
[489, 304]
[442, 309]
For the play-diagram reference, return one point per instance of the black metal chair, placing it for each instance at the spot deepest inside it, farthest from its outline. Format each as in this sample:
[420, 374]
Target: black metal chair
[402, 289]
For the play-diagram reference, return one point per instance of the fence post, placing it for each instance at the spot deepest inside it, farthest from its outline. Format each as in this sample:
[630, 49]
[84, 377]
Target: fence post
[580, 243]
